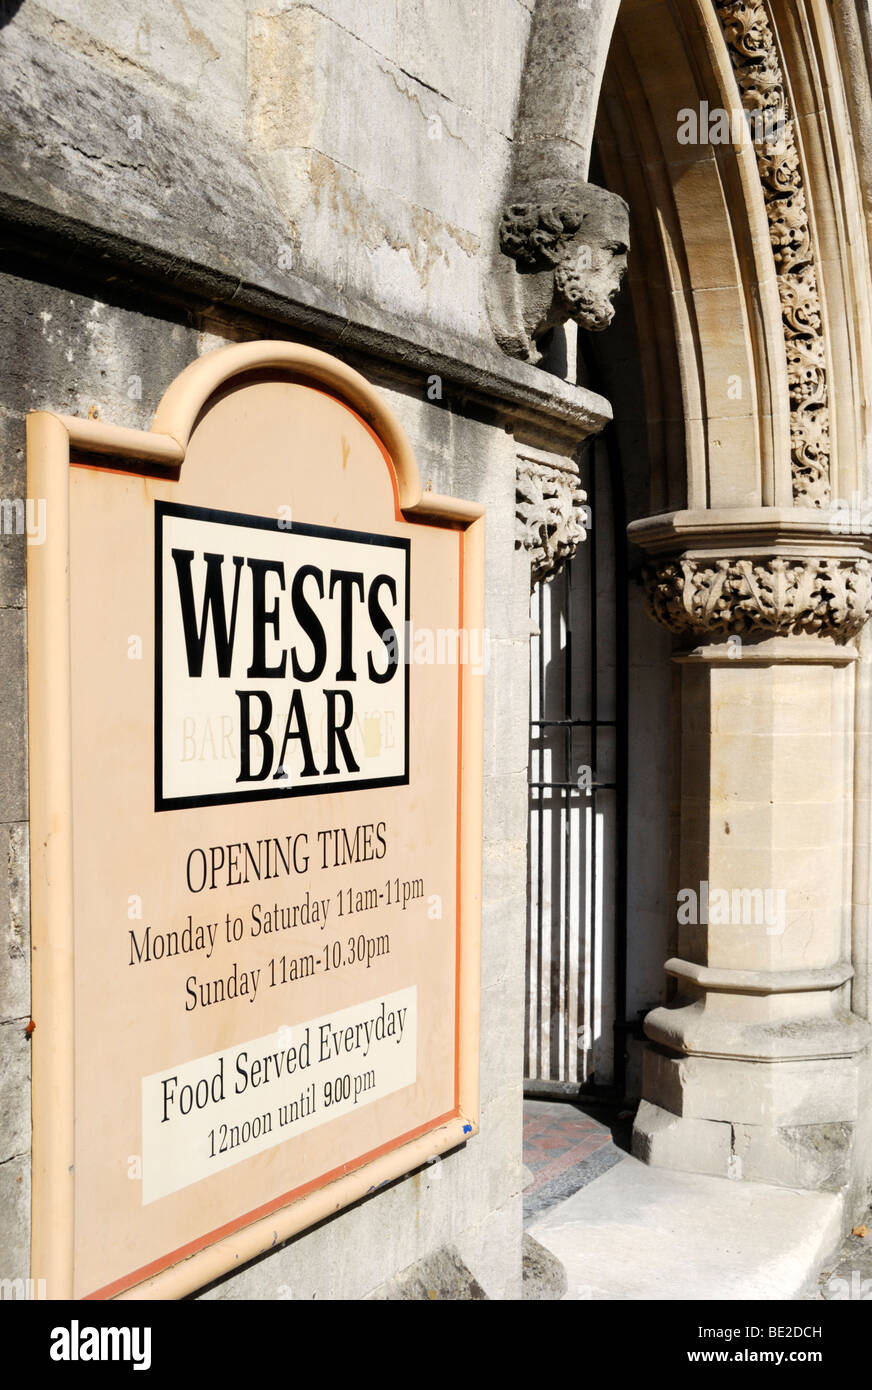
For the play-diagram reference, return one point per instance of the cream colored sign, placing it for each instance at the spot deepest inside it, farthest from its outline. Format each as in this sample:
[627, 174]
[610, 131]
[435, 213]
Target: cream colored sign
[255, 821]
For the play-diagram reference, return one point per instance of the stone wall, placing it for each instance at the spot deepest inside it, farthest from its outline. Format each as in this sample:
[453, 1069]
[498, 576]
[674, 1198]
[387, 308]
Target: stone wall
[358, 145]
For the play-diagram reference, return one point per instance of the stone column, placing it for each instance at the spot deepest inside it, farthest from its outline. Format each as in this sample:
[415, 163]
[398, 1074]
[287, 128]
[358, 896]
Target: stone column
[752, 1069]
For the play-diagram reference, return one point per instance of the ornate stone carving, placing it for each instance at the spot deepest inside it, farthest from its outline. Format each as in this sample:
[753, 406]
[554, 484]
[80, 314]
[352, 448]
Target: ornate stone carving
[560, 249]
[550, 522]
[761, 84]
[562, 255]
[776, 595]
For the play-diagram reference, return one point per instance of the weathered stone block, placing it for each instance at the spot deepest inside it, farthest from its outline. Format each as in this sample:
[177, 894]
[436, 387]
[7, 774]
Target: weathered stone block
[393, 252]
[504, 874]
[373, 21]
[447, 47]
[180, 185]
[506, 807]
[507, 27]
[15, 1219]
[440, 1276]
[78, 354]
[670, 1141]
[14, 923]
[13, 490]
[544, 1275]
[753, 1093]
[14, 1091]
[415, 142]
[507, 685]
[803, 1156]
[493, 1249]
[13, 716]
[196, 52]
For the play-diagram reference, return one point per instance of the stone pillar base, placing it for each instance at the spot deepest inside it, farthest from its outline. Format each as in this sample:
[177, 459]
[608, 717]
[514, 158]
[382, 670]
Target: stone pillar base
[789, 1123]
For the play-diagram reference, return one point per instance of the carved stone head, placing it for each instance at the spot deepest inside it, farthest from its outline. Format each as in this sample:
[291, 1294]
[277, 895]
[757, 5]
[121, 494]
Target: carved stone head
[570, 245]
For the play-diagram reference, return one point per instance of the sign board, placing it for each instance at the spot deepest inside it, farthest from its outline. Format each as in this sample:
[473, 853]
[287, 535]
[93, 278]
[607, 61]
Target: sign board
[255, 671]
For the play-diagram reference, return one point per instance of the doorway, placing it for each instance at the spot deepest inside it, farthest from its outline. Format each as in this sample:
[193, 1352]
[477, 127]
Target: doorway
[576, 937]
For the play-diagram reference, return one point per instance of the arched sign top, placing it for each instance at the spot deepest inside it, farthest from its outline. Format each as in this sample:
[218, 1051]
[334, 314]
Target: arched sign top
[183, 401]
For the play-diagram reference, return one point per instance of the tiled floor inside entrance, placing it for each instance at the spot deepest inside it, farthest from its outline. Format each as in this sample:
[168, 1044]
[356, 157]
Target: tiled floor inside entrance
[566, 1146]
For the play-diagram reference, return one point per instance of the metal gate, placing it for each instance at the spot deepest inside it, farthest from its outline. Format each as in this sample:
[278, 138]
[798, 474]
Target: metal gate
[576, 938]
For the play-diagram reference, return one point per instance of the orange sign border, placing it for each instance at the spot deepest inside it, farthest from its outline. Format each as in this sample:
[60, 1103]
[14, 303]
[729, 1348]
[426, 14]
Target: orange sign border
[50, 439]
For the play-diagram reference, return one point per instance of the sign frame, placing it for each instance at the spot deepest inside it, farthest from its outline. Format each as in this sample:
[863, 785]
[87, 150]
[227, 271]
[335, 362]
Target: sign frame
[56, 442]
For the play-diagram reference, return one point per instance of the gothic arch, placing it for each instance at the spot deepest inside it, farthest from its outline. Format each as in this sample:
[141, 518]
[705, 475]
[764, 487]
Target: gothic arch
[749, 270]
[751, 292]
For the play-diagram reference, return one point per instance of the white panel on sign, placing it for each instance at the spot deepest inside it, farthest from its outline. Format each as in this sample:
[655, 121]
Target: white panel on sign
[279, 648]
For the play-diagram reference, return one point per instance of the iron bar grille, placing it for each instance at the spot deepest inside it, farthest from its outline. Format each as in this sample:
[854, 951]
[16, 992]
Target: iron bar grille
[577, 819]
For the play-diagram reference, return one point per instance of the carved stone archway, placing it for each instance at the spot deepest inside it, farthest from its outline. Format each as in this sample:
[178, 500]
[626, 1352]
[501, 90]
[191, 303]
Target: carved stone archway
[751, 290]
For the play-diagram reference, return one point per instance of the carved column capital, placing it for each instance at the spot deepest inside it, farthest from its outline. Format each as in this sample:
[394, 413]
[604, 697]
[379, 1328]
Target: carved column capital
[550, 514]
[776, 595]
[776, 572]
